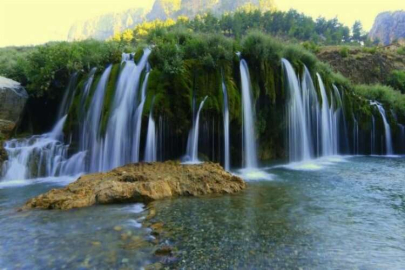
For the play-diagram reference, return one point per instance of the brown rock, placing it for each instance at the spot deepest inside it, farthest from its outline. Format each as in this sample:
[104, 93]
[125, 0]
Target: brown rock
[163, 251]
[141, 182]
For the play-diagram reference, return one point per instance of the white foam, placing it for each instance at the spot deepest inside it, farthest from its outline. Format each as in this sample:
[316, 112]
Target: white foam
[314, 164]
[254, 175]
[62, 181]
[135, 208]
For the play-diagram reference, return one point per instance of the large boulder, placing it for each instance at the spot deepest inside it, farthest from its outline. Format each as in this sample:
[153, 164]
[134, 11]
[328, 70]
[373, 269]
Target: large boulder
[13, 98]
[142, 182]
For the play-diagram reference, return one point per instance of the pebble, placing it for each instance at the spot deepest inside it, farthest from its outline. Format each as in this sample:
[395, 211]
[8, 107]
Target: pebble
[117, 228]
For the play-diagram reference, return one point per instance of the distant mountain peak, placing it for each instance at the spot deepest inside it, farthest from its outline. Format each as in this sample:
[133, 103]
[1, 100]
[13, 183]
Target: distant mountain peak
[105, 26]
[388, 27]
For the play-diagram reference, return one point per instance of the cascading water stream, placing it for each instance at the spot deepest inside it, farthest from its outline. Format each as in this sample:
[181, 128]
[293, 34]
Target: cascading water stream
[226, 128]
[328, 127]
[312, 111]
[138, 121]
[388, 138]
[298, 124]
[82, 114]
[192, 143]
[92, 140]
[117, 148]
[249, 136]
[372, 140]
[68, 97]
[151, 144]
[41, 156]
[401, 138]
[355, 136]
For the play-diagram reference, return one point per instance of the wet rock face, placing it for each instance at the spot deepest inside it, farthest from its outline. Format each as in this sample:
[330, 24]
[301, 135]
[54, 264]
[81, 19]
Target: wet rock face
[388, 27]
[13, 98]
[143, 182]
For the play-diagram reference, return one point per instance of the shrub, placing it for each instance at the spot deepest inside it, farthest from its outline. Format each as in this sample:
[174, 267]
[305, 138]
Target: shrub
[397, 80]
[344, 52]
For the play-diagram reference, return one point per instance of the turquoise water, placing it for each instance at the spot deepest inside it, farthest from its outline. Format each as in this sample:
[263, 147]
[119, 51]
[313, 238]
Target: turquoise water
[345, 215]
[338, 214]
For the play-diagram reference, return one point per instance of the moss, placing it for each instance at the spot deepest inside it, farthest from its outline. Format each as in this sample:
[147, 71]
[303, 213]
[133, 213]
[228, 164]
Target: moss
[138, 55]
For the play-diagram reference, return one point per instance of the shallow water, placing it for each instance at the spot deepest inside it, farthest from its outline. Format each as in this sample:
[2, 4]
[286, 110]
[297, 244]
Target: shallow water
[350, 214]
[97, 237]
[345, 214]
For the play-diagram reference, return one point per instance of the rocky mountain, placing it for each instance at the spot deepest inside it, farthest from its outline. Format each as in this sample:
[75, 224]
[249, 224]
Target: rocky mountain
[164, 9]
[107, 25]
[388, 27]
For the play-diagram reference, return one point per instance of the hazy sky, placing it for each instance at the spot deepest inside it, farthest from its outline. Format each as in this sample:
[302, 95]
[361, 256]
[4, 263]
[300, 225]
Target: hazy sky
[25, 22]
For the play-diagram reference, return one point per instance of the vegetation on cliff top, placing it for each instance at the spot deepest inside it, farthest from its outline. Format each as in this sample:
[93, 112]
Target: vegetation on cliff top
[193, 56]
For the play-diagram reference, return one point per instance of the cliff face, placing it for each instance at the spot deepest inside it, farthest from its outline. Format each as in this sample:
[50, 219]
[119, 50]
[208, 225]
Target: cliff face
[106, 26]
[164, 9]
[388, 27]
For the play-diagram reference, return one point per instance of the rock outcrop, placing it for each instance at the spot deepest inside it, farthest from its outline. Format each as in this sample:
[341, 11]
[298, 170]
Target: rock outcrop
[388, 27]
[13, 98]
[142, 182]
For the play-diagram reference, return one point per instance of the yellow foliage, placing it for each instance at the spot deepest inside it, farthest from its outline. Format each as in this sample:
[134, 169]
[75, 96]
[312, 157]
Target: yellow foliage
[128, 35]
[143, 29]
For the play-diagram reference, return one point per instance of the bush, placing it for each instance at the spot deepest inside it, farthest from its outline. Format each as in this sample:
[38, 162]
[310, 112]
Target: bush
[344, 52]
[401, 51]
[397, 80]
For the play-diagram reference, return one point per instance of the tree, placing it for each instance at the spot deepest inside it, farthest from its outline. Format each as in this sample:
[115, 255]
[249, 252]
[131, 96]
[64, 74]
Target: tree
[357, 32]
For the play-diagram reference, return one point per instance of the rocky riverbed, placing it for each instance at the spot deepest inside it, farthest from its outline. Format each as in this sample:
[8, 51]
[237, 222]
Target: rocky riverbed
[142, 182]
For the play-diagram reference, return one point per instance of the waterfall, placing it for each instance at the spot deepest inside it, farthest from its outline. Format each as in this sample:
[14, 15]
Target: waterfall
[388, 138]
[138, 121]
[372, 140]
[355, 136]
[82, 114]
[249, 137]
[402, 138]
[151, 145]
[312, 111]
[329, 132]
[118, 144]
[68, 96]
[91, 130]
[41, 156]
[226, 128]
[298, 116]
[192, 143]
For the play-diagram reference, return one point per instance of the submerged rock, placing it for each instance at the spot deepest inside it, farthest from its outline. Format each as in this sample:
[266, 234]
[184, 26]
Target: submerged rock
[142, 182]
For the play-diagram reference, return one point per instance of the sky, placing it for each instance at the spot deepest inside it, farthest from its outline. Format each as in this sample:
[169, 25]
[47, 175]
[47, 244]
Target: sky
[30, 22]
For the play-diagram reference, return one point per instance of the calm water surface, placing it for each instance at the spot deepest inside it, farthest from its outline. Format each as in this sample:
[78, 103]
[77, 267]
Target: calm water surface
[346, 215]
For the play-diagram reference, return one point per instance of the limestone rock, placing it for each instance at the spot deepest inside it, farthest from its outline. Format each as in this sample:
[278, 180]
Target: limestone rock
[388, 27]
[142, 182]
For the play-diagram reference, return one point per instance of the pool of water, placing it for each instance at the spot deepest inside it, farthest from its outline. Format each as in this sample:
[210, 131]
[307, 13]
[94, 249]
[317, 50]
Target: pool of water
[337, 214]
[345, 214]
[101, 237]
